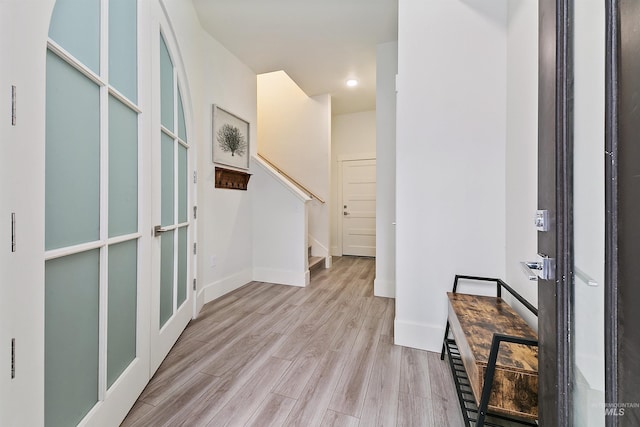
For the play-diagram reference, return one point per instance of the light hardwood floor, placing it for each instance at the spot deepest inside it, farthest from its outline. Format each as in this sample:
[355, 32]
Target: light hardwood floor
[273, 355]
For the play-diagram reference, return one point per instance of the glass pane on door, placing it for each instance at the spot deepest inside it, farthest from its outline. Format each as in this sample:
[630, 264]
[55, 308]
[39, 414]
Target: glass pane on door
[71, 337]
[122, 308]
[123, 169]
[182, 185]
[588, 367]
[182, 265]
[75, 26]
[166, 87]
[166, 276]
[167, 180]
[72, 158]
[182, 128]
[123, 47]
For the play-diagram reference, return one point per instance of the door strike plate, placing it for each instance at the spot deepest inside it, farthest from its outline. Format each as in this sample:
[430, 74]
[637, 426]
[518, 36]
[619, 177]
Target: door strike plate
[542, 220]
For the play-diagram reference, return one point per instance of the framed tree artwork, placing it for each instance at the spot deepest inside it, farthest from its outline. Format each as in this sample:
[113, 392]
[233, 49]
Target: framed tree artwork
[230, 139]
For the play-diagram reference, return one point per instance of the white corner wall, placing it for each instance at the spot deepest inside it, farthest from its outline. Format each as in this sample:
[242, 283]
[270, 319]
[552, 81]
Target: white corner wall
[384, 284]
[295, 134]
[451, 130]
[279, 229]
[522, 148]
[353, 136]
[215, 76]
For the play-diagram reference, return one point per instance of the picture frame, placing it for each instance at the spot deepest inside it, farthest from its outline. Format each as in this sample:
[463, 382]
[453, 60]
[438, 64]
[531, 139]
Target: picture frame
[230, 139]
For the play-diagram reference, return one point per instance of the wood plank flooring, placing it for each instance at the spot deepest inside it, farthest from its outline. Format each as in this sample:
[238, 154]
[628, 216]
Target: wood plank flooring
[272, 355]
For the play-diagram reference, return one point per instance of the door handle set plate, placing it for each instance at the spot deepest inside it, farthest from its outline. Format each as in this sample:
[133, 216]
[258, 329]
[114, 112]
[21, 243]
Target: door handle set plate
[158, 230]
[543, 268]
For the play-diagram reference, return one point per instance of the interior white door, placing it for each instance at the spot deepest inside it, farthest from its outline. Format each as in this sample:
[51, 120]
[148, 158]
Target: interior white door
[359, 207]
[172, 295]
[96, 298]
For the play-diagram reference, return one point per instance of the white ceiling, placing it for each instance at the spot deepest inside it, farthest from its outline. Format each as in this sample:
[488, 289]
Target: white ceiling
[319, 43]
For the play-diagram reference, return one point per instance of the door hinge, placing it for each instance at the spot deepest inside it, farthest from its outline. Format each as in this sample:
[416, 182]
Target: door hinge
[13, 232]
[195, 177]
[13, 105]
[13, 358]
[194, 284]
[195, 212]
[194, 247]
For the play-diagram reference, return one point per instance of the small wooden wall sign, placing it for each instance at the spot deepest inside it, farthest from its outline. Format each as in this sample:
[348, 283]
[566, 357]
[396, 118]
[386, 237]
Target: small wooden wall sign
[231, 179]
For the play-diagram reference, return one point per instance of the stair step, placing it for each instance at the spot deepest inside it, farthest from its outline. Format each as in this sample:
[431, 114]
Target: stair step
[315, 262]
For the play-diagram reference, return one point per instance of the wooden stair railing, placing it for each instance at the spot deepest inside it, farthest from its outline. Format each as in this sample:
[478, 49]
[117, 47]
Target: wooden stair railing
[291, 179]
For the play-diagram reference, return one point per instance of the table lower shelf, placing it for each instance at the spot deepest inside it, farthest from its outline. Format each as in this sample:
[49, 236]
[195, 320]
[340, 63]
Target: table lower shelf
[465, 394]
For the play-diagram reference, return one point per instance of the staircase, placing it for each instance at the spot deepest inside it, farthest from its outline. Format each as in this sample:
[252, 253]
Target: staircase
[315, 262]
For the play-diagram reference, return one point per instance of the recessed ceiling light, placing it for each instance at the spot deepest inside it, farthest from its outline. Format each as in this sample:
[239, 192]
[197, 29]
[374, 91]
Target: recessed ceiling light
[352, 82]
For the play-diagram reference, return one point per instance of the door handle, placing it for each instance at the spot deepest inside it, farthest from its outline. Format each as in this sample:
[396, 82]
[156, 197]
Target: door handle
[345, 213]
[529, 269]
[158, 230]
[544, 268]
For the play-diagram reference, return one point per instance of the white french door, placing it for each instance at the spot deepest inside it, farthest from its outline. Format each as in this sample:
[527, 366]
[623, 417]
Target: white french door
[96, 281]
[118, 163]
[172, 252]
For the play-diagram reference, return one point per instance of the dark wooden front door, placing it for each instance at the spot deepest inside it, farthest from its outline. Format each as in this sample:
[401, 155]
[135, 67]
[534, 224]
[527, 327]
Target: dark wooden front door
[554, 191]
[621, 156]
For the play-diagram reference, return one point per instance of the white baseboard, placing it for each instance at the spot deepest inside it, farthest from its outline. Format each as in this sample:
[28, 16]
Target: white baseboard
[335, 251]
[384, 288]
[199, 301]
[224, 286]
[281, 277]
[418, 335]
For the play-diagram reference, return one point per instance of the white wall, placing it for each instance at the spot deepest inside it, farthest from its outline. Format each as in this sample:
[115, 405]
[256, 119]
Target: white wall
[387, 67]
[215, 76]
[450, 188]
[279, 229]
[522, 148]
[295, 133]
[352, 136]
